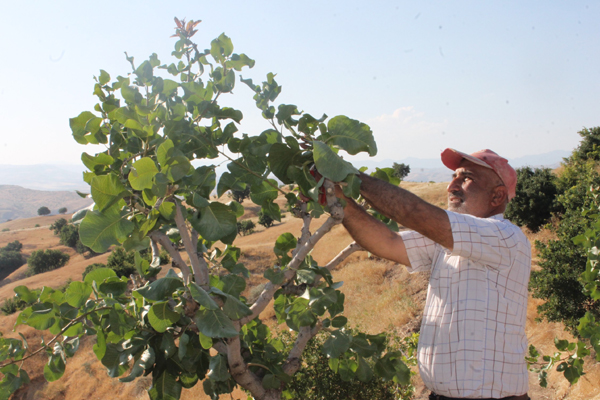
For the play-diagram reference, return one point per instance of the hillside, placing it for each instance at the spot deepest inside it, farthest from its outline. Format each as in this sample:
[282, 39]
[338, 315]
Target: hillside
[17, 202]
[380, 295]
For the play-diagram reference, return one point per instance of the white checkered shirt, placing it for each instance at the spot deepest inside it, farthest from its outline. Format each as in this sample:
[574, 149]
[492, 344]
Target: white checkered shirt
[473, 341]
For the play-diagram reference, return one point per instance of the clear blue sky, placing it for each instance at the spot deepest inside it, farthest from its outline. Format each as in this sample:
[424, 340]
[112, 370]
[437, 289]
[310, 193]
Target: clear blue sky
[519, 77]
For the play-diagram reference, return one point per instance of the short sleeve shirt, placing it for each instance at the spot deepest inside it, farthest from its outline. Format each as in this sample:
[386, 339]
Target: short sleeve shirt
[472, 342]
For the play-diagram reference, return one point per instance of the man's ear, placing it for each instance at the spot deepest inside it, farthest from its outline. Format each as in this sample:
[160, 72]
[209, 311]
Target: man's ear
[499, 196]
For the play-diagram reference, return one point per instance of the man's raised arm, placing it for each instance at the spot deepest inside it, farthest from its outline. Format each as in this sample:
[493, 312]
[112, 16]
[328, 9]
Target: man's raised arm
[401, 206]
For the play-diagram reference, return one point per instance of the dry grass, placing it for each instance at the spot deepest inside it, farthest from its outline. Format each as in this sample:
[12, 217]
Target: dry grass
[380, 295]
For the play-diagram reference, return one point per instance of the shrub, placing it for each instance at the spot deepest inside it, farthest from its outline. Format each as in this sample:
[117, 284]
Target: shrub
[62, 210]
[122, 262]
[316, 380]
[69, 236]
[12, 305]
[58, 225]
[5, 229]
[13, 246]
[43, 210]
[245, 227]
[265, 220]
[535, 199]
[400, 170]
[561, 261]
[9, 262]
[240, 195]
[46, 260]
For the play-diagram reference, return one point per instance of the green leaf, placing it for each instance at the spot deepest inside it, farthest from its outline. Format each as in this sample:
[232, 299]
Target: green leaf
[265, 192]
[143, 363]
[337, 344]
[99, 275]
[364, 372]
[99, 231]
[107, 190]
[161, 316]
[162, 288]
[214, 324]
[142, 174]
[270, 381]
[276, 277]
[329, 164]
[350, 135]
[78, 293]
[25, 294]
[217, 221]
[202, 297]
[42, 316]
[233, 285]
[217, 369]
[55, 368]
[78, 125]
[221, 47]
[165, 387]
[235, 309]
[167, 210]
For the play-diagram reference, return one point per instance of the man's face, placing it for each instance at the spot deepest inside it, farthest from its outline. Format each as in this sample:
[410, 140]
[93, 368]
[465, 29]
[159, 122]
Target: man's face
[470, 191]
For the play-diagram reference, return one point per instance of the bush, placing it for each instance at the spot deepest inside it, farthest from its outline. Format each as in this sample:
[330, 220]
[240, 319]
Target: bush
[535, 199]
[122, 262]
[245, 227]
[13, 246]
[9, 262]
[62, 210]
[12, 305]
[401, 170]
[265, 220]
[69, 236]
[316, 381]
[46, 260]
[561, 261]
[240, 195]
[43, 210]
[58, 225]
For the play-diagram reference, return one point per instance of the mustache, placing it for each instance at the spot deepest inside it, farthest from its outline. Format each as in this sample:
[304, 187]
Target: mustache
[458, 195]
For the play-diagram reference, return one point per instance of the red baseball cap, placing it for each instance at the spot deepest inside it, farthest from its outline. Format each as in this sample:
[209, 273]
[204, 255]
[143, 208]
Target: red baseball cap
[486, 158]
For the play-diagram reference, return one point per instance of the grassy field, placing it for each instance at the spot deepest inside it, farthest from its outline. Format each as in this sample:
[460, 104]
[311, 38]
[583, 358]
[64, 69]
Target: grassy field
[380, 295]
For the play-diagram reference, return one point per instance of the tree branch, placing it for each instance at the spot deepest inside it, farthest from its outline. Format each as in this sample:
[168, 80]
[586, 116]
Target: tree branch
[200, 269]
[59, 334]
[239, 370]
[166, 243]
[302, 250]
[294, 361]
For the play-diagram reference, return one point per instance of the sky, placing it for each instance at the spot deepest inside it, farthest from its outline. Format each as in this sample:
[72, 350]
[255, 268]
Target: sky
[518, 77]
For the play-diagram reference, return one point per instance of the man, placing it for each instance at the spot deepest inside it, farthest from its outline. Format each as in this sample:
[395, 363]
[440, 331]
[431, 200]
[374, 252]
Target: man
[472, 342]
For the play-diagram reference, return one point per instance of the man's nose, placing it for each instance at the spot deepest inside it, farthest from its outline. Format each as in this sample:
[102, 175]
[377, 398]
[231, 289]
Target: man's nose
[453, 186]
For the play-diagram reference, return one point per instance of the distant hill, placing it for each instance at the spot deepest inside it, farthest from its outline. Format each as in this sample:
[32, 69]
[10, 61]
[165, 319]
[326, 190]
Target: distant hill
[432, 170]
[44, 176]
[18, 202]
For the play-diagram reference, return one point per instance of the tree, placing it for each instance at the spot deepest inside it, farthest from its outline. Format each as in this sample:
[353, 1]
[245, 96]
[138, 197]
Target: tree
[400, 170]
[535, 199]
[46, 260]
[568, 275]
[43, 210]
[196, 324]
[62, 210]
